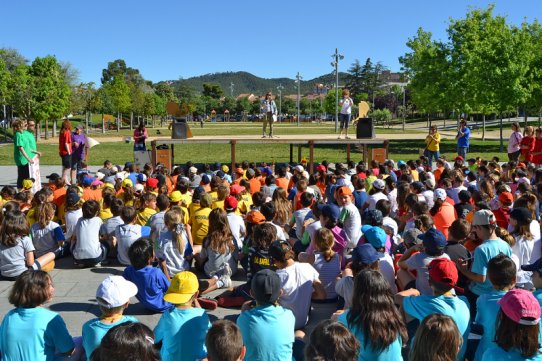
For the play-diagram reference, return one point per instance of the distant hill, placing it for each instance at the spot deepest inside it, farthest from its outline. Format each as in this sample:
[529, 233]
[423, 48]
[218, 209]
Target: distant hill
[248, 83]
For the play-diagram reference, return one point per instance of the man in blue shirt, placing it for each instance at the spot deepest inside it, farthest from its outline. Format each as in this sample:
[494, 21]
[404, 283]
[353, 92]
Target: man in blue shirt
[463, 139]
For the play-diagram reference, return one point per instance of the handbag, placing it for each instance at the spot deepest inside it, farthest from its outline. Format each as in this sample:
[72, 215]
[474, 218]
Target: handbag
[274, 118]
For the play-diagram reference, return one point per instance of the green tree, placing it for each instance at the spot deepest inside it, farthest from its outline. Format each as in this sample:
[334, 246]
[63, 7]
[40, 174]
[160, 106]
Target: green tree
[356, 80]
[229, 104]
[119, 93]
[21, 91]
[243, 105]
[51, 93]
[12, 58]
[330, 104]
[213, 91]
[5, 79]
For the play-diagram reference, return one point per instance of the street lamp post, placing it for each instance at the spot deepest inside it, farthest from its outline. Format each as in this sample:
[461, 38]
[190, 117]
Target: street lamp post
[335, 64]
[298, 81]
[279, 88]
[404, 108]
[231, 89]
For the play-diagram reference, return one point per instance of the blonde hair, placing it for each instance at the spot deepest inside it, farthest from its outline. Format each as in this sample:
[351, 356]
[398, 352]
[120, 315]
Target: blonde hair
[46, 213]
[325, 240]
[173, 220]
[346, 92]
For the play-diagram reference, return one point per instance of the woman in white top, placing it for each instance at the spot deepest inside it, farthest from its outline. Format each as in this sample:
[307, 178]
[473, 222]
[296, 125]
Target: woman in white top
[514, 142]
[527, 248]
[346, 112]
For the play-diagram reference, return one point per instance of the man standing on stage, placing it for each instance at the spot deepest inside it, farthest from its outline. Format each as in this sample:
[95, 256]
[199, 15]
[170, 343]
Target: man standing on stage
[268, 108]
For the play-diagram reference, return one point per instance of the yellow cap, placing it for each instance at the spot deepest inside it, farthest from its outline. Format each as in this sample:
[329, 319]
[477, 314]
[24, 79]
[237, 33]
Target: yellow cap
[175, 196]
[27, 183]
[127, 183]
[109, 185]
[225, 168]
[183, 286]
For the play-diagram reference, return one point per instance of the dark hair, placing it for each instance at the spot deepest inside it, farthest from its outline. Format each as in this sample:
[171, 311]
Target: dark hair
[14, 225]
[90, 209]
[501, 271]
[330, 340]
[384, 206]
[459, 229]
[31, 289]
[258, 198]
[140, 251]
[116, 206]
[129, 341]
[511, 335]
[306, 199]
[464, 196]
[224, 341]
[437, 339]
[162, 202]
[373, 311]
[263, 235]
[268, 211]
[128, 214]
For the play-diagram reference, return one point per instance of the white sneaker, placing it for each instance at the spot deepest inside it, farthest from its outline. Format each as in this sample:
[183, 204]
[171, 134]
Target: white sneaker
[226, 281]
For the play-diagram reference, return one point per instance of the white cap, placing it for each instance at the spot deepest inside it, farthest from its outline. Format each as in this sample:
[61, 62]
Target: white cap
[439, 193]
[379, 184]
[139, 187]
[121, 175]
[299, 168]
[305, 174]
[193, 170]
[483, 217]
[430, 182]
[100, 175]
[115, 291]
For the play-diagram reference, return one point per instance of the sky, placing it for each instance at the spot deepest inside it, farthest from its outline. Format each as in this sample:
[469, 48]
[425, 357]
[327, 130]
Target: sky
[168, 40]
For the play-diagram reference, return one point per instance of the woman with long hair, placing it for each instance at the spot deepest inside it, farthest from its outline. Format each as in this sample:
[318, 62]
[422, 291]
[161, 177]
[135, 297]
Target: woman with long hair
[283, 207]
[527, 144]
[527, 249]
[65, 150]
[514, 142]
[437, 339]
[374, 319]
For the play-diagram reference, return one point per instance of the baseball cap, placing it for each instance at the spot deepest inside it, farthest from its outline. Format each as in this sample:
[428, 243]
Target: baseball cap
[506, 198]
[225, 168]
[365, 254]
[321, 168]
[28, 183]
[536, 266]
[439, 193]
[379, 184]
[142, 177]
[127, 182]
[96, 182]
[299, 168]
[401, 163]
[72, 199]
[183, 286]
[239, 171]
[87, 181]
[483, 217]
[410, 236]
[128, 164]
[79, 126]
[152, 182]
[251, 172]
[198, 191]
[373, 217]
[230, 203]
[344, 191]
[375, 235]
[278, 249]
[522, 215]
[330, 211]
[115, 291]
[521, 307]
[417, 186]
[139, 188]
[459, 158]
[205, 179]
[100, 175]
[265, 286]
[220, 174]
[433, 240]
[53, 177]
[236, 189]
[430, 182]
[254, 217]
[521, 165]
[194, 183]
[193, 170]
[175, 196]
[443, 271]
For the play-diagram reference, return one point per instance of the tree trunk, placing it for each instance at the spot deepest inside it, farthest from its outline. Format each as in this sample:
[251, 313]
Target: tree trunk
[119, 121]
[103, 124]
[131, 120]
[483, 127]
[502, 141]
[46, 129]
[54, 128]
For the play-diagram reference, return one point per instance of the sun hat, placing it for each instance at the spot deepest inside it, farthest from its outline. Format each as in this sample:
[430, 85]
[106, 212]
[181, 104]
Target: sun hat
[115, 291]
[182, 288]
[365, 254]
[230, 203]
[266, 286]
[483, 217]
[521, 306]
[375, 235]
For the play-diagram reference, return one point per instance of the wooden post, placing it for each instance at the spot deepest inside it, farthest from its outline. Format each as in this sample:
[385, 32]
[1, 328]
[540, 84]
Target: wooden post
[153, 153]
[299, 153]
[311, 156]
[348, 152]
[291, 153]
[172, 157]
[233, 143]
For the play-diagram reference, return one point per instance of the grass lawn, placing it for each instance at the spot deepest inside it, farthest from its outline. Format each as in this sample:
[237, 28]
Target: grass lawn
[120, 152]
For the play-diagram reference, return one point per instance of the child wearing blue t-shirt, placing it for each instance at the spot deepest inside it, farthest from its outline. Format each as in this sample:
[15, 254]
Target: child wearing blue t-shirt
[151, 282]
[113, 296]
[181, 331]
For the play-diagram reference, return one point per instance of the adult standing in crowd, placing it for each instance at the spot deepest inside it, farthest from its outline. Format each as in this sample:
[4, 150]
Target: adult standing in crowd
[432, 145]
[65, 149]
[30, 132]
[140, 135]
[514, 149]
[268, 108]
[79, 150]
[346, 113]
[463, 139]
[21, 152]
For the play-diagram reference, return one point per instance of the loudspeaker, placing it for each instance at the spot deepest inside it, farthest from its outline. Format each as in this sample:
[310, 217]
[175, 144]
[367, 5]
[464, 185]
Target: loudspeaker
[365, 128]
[178, 131]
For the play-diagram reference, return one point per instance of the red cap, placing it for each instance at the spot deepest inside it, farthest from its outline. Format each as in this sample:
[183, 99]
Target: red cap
[344, 191]
[521, 165]
[152, 182]
[230, 203]
[236, 189]
[255, 217]
[506, 198]
[521, 307]
[321, 168]
[443, 271]
[459, 158]
[239, 171]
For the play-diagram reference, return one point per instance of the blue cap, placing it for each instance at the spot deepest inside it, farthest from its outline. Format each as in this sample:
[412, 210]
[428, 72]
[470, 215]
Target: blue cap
[536, 266]
[365, 254]
[88, 181]
[142, 177]
[220, 174]
[198, 191]
[330, 211]
[205, 179]
[375, 235]
[401, 163]
[433, 240]
[373, 217]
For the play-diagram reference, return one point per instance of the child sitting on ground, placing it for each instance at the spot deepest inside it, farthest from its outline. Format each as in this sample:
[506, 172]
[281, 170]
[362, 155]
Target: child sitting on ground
[113, 296]
[47, 235]
[224, 342]
[107, 230]
[176, 344]
[86, 247]
[298, 219]
[156, 222]
[349, 217]
[128, 233]
[151, 282]
[174, 248]
[148, 209]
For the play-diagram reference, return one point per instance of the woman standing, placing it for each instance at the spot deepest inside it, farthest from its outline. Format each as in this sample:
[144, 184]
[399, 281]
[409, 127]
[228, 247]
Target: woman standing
[65, 149]
[537, 151]
[21, 151]
[432, 145]
[527, 144]
[514, 142]
[346, 113]
[140, 134]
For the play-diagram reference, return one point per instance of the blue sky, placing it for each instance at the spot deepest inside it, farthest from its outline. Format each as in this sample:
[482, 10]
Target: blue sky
[183, 38]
